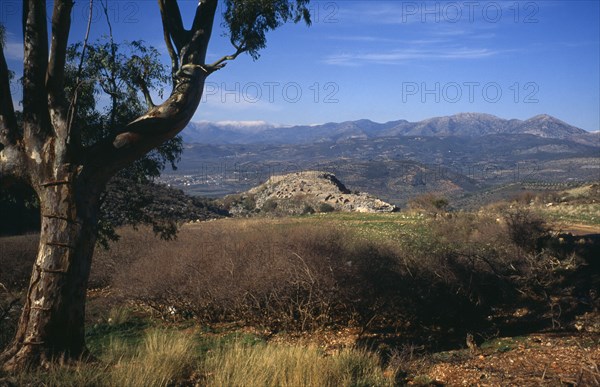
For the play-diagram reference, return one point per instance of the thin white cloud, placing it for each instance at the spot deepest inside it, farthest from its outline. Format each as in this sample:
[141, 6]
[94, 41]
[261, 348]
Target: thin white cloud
[450, 32]
[361, 38]
[245, 124]
[13, 49]
[368, 13]
[379, 39]
[400, 56]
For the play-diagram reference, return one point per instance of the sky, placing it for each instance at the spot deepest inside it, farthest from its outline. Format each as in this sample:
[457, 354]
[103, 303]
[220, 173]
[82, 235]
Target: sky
[384, 60]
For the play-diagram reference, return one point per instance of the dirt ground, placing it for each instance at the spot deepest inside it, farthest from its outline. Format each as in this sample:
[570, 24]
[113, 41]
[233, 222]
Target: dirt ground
[578, 229]
[538, 359]
[535, 360]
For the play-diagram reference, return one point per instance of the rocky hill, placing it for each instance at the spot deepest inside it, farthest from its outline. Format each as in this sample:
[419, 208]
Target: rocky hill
[303, 192]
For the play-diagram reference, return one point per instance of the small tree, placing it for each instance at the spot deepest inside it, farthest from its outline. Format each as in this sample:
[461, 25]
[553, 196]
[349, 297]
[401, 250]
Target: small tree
[69, 173]
[429, 203]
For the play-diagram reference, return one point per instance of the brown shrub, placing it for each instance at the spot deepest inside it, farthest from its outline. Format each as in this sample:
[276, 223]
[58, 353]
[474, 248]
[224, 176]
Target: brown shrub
[525, 228]
[525, 198]
[256, 272]
[287, 275]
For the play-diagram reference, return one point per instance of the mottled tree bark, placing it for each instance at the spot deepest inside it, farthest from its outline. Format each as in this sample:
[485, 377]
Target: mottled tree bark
[52, 321]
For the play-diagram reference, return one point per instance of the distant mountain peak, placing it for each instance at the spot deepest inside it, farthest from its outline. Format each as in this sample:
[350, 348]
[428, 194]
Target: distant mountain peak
[474, 115]
[542, 116]
[237, 123]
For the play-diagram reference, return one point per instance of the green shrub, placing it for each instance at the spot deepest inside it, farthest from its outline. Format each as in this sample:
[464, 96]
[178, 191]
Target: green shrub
[326, 207]
[308, 210]
[269, 206]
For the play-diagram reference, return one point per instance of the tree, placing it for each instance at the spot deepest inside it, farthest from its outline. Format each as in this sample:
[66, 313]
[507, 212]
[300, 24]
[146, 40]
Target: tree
[47, 152]
[114, 70]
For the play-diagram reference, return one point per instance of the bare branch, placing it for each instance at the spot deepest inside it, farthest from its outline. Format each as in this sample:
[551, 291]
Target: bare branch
[61, 24]
[35, 63]
[168, 41]
[75, 135]
[107, 16]
[219, 64]
[111, 76]
[142, 84]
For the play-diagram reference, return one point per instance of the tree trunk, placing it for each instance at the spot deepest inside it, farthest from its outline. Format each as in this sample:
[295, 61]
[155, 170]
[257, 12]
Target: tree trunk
[41, 151]
[51, 326]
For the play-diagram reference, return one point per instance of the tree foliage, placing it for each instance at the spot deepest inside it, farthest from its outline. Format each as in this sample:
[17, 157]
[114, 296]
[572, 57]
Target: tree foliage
[117, 71]
[249, 21]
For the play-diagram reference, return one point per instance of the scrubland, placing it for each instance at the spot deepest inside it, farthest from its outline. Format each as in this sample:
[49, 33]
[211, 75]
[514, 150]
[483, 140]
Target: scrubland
[332, 299]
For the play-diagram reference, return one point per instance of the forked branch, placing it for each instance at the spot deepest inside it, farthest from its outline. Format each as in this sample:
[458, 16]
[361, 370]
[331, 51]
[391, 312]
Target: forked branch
[173, 23]
[164, 121]
[219, 64]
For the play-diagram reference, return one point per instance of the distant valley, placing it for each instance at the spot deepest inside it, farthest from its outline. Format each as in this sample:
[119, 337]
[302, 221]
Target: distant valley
[465, 157]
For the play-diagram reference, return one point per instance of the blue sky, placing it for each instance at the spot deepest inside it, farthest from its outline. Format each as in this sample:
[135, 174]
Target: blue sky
[388, 60]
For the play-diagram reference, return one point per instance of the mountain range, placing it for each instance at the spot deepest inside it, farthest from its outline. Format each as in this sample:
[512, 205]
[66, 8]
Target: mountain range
[468, 158]
[459, 125]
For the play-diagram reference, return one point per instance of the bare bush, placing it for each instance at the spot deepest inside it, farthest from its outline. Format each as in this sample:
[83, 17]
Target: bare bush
[257, 273]
[301, 275]
[525, 228]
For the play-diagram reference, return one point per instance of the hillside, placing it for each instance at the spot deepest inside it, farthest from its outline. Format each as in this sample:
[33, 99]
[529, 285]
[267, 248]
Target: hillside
[393, 168]
[304, 192]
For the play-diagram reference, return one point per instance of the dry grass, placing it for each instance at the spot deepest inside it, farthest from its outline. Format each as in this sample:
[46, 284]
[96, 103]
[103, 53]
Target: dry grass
[167, 358]
[293, 366]
[161, 359]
